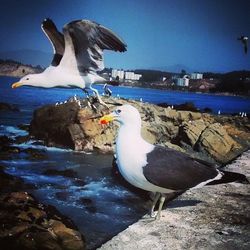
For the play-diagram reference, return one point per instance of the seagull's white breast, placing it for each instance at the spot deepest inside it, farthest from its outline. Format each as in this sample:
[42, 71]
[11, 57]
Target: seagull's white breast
[131, 151]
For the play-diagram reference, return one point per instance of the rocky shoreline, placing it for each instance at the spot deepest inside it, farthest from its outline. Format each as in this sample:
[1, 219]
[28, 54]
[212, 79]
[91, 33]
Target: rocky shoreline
[214, 138]
[218, 139]
[28, 224]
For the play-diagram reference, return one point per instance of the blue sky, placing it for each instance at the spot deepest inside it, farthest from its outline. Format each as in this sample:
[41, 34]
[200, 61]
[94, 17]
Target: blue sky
[202, 35]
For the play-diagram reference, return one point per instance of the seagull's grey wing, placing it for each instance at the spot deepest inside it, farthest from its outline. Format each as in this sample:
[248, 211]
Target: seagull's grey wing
[175, 170]
[85, 42]
[56, 38]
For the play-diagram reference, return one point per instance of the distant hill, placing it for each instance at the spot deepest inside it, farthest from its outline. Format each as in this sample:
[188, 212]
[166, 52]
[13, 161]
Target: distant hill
[16, 69]
[31, 57]
[176, 68]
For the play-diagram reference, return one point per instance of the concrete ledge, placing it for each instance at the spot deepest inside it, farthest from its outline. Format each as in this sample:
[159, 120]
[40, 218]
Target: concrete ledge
[213, 217]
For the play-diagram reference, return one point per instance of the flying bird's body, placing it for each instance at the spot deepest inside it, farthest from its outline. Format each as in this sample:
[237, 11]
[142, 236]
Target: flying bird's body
[244, 40]
[78, 56]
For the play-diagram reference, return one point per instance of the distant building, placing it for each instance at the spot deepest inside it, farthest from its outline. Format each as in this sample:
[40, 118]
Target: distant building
[117, 73]
[125, 75]
[196, 76]
[129, 75]
[182, 82]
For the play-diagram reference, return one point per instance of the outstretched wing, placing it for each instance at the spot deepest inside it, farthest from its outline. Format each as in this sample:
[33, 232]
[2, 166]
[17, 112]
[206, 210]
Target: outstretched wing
[56, 38]
[84, 44]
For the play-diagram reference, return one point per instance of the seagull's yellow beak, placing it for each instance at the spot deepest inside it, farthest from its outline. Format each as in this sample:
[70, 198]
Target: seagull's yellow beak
[106, 119]
[16, 85]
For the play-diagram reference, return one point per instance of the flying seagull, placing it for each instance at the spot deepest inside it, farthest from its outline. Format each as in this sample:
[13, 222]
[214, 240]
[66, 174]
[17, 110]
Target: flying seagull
[78, 56]
[155, 168]
[244, 40]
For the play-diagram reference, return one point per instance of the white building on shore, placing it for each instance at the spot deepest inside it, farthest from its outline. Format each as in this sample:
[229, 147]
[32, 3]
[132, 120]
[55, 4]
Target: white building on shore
[125, 75]
[183, 82]
[117, 73]
[196, 76]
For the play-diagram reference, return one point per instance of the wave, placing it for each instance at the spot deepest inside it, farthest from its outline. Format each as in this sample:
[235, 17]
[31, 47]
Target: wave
[12, 131]
[33, 144]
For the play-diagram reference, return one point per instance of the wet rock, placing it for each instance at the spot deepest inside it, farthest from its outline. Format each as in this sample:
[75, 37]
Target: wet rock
[8, 107]
[25, 127]
[27, 224]
[88, 204]
[63, 196]
[10, 149]
[67, 172]
[35, 154]
[5, 140]
[22, 139]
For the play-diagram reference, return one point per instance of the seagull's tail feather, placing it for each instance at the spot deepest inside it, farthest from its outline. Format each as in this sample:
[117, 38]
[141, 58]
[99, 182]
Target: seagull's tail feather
[230, 177]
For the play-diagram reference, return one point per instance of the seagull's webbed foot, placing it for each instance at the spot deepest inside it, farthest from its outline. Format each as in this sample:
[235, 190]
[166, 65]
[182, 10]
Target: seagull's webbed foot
[153, 214]
[99, 98]
[162, 200]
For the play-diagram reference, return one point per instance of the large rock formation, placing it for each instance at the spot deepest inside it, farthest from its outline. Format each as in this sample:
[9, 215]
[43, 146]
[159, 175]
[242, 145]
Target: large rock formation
[214, 138]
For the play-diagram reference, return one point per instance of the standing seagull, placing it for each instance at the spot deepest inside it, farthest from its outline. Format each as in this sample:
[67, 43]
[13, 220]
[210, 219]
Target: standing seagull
[155, 168]
[244, 40]
[78, 55]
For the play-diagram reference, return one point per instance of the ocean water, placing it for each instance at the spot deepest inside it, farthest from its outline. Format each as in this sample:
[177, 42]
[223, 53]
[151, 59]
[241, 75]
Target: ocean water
[90, 196]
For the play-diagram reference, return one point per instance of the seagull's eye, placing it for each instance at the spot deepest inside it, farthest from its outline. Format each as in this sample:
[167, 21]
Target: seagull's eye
[27, 78]
[118, 111]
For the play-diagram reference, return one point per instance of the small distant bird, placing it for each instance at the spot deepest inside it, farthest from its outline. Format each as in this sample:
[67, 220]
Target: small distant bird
[107, 90]
[244, 40]
[154, 168]
[78, 56]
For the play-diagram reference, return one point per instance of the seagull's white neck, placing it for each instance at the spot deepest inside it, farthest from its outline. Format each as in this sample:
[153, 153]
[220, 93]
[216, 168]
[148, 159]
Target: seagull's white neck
[129, 140]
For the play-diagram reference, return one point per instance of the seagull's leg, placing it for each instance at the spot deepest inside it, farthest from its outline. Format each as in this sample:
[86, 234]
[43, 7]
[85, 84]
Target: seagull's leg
[162, 199]
[98, 97]
[156, 198]
[86, 92]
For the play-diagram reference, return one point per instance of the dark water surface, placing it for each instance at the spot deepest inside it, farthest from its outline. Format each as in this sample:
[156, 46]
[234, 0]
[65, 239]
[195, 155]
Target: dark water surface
[86, 192]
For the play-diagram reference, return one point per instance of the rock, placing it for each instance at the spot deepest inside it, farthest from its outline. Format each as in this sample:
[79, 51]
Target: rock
[66, 172]
[51, 124]
[34, 153]
[190, 131]
[68, 126]
[8, 107]
[187, 106]
[216, 142]
[28, 224]
[5, 140]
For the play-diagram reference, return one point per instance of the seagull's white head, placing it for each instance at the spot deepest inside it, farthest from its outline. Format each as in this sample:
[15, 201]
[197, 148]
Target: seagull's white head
[28, 80]
[125, 115]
